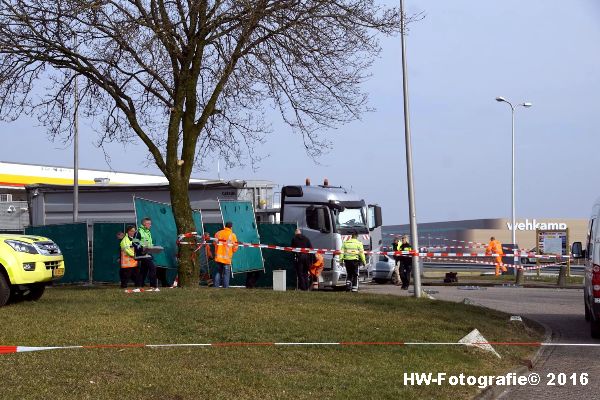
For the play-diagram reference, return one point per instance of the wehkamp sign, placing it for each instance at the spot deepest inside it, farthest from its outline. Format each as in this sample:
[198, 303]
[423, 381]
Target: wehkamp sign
[533, 225]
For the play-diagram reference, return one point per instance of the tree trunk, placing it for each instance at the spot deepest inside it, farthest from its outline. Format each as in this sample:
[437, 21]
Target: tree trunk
[189, 273]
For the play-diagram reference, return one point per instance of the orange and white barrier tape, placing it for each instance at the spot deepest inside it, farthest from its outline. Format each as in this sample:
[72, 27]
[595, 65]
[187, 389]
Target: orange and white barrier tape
[28, 349]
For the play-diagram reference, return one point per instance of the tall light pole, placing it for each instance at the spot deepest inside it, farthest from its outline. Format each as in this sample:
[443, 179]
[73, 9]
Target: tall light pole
[512, 109]
[76, 155]
[409, 168]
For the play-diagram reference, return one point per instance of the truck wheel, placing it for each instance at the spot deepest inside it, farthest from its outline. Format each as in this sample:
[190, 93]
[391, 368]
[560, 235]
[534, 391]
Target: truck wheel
[595, 329]
[4, 290]
[339, 288]
[35, 292]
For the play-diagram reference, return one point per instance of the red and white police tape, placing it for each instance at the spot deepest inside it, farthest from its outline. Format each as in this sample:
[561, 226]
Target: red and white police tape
[222, 242]
[471, 245]
[492, 264]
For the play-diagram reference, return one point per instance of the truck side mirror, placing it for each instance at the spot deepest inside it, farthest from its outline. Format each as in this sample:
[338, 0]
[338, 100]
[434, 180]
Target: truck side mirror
[577, 250]
[378, 217]
[374, 216]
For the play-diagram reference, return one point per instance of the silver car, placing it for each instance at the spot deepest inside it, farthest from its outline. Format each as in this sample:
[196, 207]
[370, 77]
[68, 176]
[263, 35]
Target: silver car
[384, 269]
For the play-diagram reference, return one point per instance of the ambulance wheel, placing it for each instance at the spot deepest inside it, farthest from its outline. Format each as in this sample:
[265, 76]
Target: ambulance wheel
[4, 289]
[35, 292]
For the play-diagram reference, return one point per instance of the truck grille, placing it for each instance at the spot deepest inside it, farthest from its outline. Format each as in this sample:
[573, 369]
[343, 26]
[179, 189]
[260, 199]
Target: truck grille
[52, 264]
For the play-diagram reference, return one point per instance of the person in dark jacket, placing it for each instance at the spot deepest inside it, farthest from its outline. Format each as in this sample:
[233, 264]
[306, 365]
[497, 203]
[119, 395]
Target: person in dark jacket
[397, 258]
[302, 261]
[405, 262]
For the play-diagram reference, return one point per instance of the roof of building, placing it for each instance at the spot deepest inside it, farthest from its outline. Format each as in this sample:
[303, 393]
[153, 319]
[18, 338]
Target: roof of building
[236, 184]
[18, 175]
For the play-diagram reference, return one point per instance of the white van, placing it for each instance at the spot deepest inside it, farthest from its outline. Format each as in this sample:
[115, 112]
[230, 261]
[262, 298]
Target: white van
[591, 254]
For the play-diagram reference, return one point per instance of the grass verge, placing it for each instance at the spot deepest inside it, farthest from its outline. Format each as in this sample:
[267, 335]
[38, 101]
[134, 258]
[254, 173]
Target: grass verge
[75, 316]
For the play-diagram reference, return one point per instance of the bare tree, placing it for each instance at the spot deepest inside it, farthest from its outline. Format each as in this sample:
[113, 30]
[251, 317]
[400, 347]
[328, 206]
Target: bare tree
[189, 77]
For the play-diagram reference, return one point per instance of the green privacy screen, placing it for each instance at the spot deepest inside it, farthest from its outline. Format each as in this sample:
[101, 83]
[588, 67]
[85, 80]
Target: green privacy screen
[106, 253]
[277, 234]
[164, 230]
[73, 242]
[241, 214]
[280, 235]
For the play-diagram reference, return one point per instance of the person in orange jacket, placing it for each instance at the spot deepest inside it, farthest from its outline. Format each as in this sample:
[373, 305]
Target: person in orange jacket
[495, 247]
[225, 246]
[315, 270]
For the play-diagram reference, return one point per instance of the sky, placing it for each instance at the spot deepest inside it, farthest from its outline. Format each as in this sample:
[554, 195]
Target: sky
[461, 56]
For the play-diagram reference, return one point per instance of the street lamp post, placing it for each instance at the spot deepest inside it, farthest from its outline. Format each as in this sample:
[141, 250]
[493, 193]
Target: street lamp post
[512, 109]
[76, 155]
[409, 165]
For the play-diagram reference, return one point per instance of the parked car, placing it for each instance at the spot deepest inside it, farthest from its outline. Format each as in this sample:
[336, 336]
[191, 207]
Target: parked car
[384, 268]
[591, 256]
[525, 259]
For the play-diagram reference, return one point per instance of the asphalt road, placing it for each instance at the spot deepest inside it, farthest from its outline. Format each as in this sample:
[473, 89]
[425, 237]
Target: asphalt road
[559, 309]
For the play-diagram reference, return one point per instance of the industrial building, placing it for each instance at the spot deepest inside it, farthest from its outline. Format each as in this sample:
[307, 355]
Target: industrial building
[467, 233]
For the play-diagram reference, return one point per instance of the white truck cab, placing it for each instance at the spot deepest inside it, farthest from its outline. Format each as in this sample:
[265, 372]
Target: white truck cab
[327, 215]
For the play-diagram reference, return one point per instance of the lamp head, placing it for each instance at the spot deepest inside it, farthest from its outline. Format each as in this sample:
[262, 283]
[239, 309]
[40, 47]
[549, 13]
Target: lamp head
[527, 104]
[500, 99]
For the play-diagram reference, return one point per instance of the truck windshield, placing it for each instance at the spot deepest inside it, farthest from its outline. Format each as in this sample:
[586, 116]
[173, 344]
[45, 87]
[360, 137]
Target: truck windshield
[350, 217]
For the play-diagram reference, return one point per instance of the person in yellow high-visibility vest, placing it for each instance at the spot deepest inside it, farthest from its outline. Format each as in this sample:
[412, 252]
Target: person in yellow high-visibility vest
[495, 247]
[352, 255]
[129, 265]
